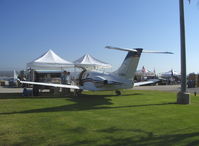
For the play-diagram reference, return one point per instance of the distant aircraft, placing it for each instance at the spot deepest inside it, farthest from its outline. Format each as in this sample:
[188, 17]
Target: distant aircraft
[13, 80]
[122, 78]
[170, 74]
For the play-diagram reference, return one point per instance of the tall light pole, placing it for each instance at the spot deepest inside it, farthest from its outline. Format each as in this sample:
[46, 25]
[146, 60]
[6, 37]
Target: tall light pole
[183, 97]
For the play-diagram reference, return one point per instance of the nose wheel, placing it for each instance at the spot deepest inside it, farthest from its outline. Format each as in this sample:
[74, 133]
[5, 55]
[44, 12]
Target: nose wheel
[117, 92]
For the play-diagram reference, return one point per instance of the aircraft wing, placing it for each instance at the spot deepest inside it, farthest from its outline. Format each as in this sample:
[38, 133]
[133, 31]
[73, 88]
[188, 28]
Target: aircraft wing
[146, 82]
[50, 84]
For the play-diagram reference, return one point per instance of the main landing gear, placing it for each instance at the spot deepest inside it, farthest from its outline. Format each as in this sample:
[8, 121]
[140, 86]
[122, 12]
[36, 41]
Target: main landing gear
[77, 92]
[117, 92]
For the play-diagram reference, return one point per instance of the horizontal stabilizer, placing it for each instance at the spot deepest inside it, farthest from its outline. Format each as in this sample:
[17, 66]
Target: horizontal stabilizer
[121, 49]
[135, 50]
[146, 51]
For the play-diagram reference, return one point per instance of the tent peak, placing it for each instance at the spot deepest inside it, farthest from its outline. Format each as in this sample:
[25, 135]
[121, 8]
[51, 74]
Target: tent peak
[49, 60]
[87, 55]
[89, 61]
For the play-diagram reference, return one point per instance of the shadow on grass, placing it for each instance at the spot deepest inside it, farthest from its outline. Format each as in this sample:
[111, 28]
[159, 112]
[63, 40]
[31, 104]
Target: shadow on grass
[130, 137]
[140, 138]
[20, 96]
[85, 102]
[11, 96]
[155, 140]
[48, 95]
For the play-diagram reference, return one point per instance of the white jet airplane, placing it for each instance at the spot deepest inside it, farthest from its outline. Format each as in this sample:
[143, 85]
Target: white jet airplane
[122, 78]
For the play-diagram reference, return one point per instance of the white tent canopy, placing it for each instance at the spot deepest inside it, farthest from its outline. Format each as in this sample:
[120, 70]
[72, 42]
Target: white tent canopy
[49, 61]
[90, 62]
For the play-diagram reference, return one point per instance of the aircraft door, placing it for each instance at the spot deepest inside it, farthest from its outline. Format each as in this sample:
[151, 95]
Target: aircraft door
[81, 75]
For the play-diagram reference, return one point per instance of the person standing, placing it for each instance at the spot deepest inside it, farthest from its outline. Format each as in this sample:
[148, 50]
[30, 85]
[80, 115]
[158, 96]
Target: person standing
[65, 79]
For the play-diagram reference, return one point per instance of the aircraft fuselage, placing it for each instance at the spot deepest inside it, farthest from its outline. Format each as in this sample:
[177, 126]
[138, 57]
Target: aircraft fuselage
[96, 81]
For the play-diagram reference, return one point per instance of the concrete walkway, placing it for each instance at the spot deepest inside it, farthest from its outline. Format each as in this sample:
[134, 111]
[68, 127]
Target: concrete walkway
[10, 90]
[169, 88]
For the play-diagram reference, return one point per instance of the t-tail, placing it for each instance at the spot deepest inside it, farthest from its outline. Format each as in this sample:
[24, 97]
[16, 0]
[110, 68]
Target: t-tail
[129, 66]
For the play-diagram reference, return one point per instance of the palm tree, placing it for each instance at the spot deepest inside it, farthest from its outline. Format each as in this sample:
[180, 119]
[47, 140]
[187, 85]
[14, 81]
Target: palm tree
[183, 97]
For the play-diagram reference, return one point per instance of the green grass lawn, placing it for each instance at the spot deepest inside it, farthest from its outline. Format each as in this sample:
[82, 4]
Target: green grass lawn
[99, 118]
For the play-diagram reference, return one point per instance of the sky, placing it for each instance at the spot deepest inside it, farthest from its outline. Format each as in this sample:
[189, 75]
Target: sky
[72, 28]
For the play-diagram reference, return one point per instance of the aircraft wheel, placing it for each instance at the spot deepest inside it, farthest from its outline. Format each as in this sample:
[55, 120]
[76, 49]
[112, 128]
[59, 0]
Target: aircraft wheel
[77, 92]
[117, 92]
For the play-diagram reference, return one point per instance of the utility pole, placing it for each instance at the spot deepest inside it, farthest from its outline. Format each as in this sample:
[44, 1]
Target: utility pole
[183, 97]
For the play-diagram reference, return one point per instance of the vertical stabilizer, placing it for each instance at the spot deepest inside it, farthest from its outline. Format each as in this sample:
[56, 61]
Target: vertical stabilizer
[128, 68]
[15, 76]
